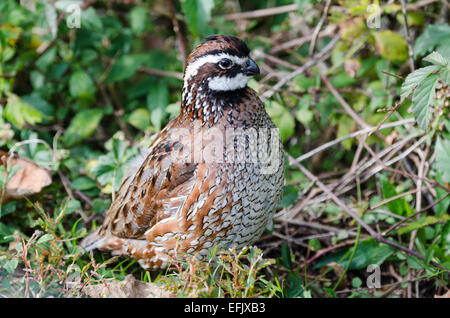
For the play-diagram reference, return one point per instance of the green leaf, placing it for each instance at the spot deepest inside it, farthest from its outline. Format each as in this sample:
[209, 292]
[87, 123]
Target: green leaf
[415, 78]
[82, 126]
[425, 221]
[414, 18]
[290, 195]
[431, 250]
[414, 262]
[11, 264]
[445, 75]
[295, 286]
[39, 104]
[443, 158]
[388, 190]
[368, 252]
[83, 183]
[445, 238]
[81, 86]
[139, 20]
[346, 125]
[286, 256]
[422, 98]
[356, 282]
[157, 101]
[173, 109]
[444, 201]
[51, 18]
[46, 59]
[37, 79]
[314, 244]
[433, 35]
[157, 117]
[342, 80]
[91, 20]
[436, 58]
[72, 206]
[282, 118]
[118, 149]
[105, 170]
[20, 113]
[286, 125]
[391, 45]
[126, 66]
[198, 14]
[140, 118]
[6, 231]
[158, 96]
[44, 239]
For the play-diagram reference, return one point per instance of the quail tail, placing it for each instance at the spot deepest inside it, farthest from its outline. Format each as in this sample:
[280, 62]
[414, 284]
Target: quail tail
[92, 241]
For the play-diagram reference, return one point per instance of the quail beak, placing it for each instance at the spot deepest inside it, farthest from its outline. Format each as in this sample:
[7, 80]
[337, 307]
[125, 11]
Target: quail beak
[250, 68]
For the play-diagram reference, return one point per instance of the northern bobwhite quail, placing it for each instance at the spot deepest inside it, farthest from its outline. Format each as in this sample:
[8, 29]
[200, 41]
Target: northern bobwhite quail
[213, 175]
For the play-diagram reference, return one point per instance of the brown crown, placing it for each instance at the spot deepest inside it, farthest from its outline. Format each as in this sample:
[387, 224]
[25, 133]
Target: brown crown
[220, 44]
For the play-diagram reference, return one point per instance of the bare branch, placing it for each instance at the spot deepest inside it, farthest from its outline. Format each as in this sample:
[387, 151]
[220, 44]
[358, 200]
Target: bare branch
[260, 13]
[408, 38]
[318, 27]
[319, 56]
[378, 237]
[352, 135]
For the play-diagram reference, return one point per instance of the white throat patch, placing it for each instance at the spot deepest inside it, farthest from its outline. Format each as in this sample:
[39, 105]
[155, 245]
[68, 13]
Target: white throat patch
[224, 83]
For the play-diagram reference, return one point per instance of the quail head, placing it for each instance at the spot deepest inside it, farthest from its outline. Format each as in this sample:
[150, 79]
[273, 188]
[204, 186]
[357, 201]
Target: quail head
[212, 176]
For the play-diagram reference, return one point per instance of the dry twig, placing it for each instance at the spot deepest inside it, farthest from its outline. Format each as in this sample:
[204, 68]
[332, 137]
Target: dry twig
[181, 39]
[408, 37]
[319, 56]
[378, 237]
[318, 27]
[260, 13]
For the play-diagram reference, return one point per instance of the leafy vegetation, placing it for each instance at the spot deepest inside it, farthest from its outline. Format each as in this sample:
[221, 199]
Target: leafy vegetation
[360, 97]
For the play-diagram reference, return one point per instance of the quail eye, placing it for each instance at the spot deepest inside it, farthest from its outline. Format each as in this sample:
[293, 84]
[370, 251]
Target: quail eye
[225, 64]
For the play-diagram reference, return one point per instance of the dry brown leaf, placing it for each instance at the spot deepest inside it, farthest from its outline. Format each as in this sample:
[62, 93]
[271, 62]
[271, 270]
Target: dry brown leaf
[338, 271]
[30, 179]
[392, 137]
[16, 243]
[128, 288]
[351, 66]
[352, 28]
[446, 295]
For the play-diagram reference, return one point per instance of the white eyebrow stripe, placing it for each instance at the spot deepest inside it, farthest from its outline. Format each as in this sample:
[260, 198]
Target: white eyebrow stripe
[192, 68]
